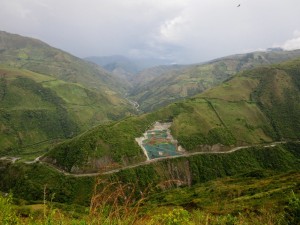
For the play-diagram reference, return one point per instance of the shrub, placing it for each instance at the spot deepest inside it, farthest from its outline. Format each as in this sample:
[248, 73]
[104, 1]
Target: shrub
[174, 217]
[7, 213]
[292, 210]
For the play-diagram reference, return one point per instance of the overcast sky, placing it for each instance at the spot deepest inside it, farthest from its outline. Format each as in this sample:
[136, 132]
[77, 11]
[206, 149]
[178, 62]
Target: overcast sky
[185, 31]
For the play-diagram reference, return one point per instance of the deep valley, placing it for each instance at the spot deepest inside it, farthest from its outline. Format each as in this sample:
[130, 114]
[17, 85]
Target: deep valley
[117, 143]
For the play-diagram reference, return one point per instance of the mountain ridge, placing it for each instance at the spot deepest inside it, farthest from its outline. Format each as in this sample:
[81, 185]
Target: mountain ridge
[187, 80]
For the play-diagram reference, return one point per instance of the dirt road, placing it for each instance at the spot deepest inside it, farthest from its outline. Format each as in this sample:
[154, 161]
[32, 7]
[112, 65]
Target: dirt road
[186, 155]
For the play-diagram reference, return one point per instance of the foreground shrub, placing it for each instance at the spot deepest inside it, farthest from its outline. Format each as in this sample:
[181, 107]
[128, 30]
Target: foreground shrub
[292, 211]
[7, 213]
[174, 217]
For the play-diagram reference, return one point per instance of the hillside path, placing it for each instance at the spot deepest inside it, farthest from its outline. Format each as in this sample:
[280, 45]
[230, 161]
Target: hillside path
[273, 144]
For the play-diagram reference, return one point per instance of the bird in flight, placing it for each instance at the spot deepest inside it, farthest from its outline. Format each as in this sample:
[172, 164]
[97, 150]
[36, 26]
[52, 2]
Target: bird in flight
[239, 5]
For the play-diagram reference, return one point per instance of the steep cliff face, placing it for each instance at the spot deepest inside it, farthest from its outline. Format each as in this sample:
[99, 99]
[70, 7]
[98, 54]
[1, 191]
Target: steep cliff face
[176, 174]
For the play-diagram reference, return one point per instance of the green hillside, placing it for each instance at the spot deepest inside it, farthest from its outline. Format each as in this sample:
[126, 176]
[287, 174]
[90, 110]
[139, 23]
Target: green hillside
[34, 55]
[157, 87]
[47, 95]
[241, 186]
[29, 179]
[254, 107]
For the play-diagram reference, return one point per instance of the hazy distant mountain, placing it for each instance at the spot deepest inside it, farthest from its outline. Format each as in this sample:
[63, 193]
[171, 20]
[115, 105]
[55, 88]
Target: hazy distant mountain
[278, 49]
[126, 67]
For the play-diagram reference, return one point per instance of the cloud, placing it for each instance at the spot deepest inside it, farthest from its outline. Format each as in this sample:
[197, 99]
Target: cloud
[293, 43]
[172, 30]
[15, 7]
[186, 31]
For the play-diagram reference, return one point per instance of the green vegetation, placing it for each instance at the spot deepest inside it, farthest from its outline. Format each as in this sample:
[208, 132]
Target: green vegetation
[255, 185]
[292, 210]
[205, 167]
[157, 87]
[36, 109]
[166, 215]
[260, 197]
[36, 56]
[47, 94]
[103, 145]
[28, 180]
[7, 214]
[258, 210]
[278, 96]
[266, 110]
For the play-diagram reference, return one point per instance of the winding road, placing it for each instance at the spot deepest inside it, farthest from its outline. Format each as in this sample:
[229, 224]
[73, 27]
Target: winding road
[147, 162]
[37, 160]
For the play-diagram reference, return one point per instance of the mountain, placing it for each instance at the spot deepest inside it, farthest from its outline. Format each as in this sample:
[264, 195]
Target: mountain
[179, 82]
[124, 67]
[36, 56]
[119, 65]
[147, 75]
[47, 94]
[209, 183]
[111, 63]
[253, 107]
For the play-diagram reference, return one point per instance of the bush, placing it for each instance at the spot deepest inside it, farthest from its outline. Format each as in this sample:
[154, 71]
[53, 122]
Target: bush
[174, 217]
[7, 213]
[292, 210]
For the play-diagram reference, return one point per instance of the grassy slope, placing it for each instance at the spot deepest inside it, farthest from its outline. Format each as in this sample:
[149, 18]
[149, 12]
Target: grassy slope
[174, 84]
[36, 56]
[255, 198]
[36, 107]
[235, 113]
[28, 181]
[279, 98]
[259, 197]
[63, 97]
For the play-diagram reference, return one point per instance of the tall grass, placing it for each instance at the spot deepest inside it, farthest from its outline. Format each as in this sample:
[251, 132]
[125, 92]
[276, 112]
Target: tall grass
[116, 203]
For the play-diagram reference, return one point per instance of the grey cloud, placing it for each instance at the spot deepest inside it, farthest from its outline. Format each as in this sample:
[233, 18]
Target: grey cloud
[185, 31]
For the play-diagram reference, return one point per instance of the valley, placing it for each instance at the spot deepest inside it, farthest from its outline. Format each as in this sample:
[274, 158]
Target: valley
[76, 134]
[48, 95]
[159, 86]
